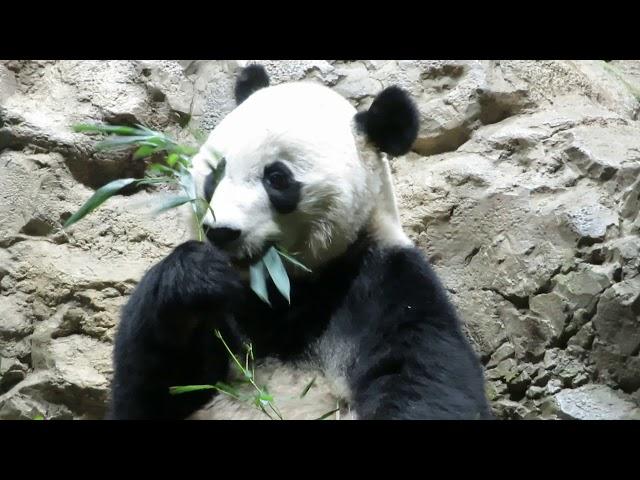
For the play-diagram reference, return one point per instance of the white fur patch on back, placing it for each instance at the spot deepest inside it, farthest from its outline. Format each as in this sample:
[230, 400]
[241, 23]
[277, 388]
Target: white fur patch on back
[286, 384]
[384, 224]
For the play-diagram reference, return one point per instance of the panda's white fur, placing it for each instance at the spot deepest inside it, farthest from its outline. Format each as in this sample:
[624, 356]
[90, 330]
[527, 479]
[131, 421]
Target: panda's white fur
[310, 128]
[347, 185]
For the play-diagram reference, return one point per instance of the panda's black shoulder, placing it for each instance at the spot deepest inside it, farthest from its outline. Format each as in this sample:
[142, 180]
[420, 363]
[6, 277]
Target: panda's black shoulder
[405, 270]
[402, 300]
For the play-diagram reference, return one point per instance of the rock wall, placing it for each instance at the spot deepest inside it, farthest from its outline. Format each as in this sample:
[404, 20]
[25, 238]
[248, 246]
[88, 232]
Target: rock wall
[523, 189]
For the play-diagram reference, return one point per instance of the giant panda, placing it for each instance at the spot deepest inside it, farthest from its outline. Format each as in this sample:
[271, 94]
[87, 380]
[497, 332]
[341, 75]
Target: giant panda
[307, 172]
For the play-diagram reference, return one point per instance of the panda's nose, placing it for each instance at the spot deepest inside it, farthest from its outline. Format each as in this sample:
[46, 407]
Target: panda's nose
[222, 236]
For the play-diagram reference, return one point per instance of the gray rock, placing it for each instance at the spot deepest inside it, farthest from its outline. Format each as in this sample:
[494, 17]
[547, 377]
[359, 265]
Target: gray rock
[569, 371]
[523, 189]
[8, 84]
[12, 371]
[553, 387]
[356, 83]
[519, 384]
[615, 368]
[604, 153]
[79, 369]
[506, 370]
[579, 380]
[495, 390]
[595, 402]
[584, 337]
[535, 392]
[631, 201]
[580, 288]
[503, 352]
[617, 319]
[624, 252]
[30, 400]
[531, 336]
[511, 410]
[552, 307]
[590, 223]
[541, 378]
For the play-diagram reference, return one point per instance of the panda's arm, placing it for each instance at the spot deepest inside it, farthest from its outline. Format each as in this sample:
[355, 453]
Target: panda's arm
[166, 334]
[413, 360]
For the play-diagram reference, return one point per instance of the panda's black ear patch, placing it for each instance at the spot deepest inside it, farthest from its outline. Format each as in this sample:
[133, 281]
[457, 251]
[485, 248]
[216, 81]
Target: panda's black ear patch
[392, 121]
[251, 79]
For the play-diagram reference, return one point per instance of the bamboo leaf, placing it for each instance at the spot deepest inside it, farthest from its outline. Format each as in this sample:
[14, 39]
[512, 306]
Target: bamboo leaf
[235, 359]
[172, 159]
[117, 143]
[98, 198]
[308, 387]
[188, 185]
[185, 160]
[328, 414]
[278, 273]
[228, 389]
[200, 207]
[145, 129]
[156, 180]
[184, 150]
[190, 388]
[144, 151]
[172, 202]
[257, 402]
[292, 260]
[273, 407]
[258, 281]
[159, 168]
[118, 130]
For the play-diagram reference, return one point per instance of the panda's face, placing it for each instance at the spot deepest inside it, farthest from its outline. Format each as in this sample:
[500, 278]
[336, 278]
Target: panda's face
[293, 175]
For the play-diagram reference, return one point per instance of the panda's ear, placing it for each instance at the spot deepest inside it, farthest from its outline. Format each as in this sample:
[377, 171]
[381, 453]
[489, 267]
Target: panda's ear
[251, 79]
[392, 121]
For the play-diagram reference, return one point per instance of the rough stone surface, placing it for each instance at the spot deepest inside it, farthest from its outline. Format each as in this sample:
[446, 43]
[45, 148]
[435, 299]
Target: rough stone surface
[595, 402]
[523, 189]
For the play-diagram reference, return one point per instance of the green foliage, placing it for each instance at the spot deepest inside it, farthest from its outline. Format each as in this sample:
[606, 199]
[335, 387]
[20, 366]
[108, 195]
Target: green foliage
[258, 280]
[98, 198]
[175, 170]
[278, 273]
[292, 260]
[308, 387]
[328, 414]
[261, 399]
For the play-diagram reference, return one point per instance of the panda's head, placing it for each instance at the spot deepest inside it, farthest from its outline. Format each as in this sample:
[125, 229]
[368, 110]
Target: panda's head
[304, 170]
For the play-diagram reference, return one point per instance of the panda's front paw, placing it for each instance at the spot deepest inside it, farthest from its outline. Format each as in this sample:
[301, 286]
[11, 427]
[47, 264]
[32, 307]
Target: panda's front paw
[197, 273]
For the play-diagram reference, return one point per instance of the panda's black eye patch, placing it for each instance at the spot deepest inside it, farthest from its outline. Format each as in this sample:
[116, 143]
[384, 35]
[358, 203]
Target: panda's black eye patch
[281, 186]
[277, 180]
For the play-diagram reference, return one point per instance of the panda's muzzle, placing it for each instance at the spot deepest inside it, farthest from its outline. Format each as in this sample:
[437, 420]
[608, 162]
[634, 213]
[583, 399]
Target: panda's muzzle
[223, 236]
[226, 239]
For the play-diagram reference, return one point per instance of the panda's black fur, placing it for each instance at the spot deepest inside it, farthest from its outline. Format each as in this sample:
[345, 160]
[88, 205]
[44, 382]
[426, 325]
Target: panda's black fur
[391, 122]
[252, 78]
[411, 358]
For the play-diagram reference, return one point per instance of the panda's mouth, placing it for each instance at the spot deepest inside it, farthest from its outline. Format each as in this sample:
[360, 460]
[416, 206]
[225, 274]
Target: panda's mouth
[244, 261]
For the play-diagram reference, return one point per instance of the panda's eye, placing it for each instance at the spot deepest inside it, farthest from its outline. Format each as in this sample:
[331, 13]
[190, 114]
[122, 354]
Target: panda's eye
[278, 180]
[283, 189]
